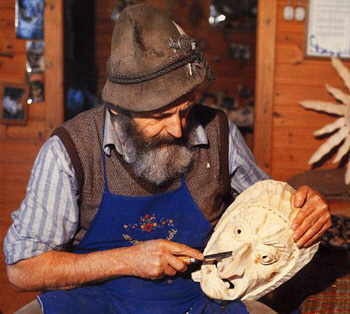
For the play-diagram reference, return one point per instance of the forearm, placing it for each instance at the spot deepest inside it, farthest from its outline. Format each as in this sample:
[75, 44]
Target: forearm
[63, 270]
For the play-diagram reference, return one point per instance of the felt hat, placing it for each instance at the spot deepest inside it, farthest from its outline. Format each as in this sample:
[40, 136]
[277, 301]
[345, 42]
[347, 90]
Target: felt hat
[152, 63]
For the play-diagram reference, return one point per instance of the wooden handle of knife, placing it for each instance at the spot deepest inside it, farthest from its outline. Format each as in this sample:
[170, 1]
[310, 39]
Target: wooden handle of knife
[188, 259]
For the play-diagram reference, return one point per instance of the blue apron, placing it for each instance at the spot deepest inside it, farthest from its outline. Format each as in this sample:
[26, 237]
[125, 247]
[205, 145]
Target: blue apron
[121, 221]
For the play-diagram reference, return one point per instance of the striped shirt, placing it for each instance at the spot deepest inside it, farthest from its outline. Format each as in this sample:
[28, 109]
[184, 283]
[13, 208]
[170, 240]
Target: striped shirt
[48, 217]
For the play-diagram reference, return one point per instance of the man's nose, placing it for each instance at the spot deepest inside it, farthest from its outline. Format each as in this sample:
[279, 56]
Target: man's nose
[235, 265]
[174, 126]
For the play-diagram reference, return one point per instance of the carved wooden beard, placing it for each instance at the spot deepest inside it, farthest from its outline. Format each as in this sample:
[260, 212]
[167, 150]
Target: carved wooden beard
[256, 228]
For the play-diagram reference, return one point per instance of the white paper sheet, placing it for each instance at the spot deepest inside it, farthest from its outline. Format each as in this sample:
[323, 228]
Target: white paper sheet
[328, 28]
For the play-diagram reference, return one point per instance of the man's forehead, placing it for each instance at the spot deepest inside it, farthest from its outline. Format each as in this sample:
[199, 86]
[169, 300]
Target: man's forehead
[181, 103]
[180, 107]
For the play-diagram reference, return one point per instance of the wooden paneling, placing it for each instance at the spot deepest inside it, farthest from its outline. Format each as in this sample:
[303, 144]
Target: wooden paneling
[295, 78]
[265, 83]
[54, 64]
[20, 144]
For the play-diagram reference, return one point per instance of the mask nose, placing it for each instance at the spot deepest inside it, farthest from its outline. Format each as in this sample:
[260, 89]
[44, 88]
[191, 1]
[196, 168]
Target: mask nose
[235, 265]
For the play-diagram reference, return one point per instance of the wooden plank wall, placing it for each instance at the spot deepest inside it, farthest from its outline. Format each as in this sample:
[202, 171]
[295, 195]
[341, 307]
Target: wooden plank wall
[229, 72]
[20, 144]
[265, 70]
[295, 78]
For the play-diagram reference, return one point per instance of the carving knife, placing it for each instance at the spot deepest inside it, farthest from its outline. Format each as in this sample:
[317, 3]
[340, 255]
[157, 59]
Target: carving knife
[207, 258]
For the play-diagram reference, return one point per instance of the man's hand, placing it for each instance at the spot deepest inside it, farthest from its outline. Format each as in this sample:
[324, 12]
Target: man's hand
[158, 258]
[60, 270]
[313, 218]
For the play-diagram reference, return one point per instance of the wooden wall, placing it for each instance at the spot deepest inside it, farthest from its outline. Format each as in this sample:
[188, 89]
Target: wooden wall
[20, 144]
[283, 132]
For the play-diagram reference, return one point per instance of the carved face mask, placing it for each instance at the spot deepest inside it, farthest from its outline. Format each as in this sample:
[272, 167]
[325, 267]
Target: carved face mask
[257, 229]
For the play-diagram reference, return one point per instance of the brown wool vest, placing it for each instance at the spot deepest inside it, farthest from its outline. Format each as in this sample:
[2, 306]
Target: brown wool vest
[208, 179]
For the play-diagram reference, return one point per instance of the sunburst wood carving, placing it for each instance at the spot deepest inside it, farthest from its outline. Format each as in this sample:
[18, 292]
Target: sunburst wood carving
[340, 128]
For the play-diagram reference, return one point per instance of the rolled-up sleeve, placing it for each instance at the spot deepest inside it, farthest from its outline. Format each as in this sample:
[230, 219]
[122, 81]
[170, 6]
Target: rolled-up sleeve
[48, 216]
[242, 165]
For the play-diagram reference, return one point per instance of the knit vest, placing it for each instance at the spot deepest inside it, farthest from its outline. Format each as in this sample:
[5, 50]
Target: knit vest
[208, 179]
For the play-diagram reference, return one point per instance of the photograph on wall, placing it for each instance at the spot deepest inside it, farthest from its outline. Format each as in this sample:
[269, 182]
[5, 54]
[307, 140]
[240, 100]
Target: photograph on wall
[35, 56]
[13, 103]
[36, 88]
[30, 19]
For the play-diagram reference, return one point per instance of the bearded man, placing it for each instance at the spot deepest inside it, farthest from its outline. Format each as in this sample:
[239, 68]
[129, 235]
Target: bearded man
[120, 194]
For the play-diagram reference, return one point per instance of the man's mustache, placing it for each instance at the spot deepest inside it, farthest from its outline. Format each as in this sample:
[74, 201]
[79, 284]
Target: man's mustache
[159, 141]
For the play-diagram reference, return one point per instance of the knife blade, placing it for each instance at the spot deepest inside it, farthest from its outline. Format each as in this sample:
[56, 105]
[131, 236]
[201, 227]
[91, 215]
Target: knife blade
[218, 256]
[207, 258]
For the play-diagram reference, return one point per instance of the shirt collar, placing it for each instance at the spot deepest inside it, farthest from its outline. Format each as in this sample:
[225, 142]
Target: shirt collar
[114, 136]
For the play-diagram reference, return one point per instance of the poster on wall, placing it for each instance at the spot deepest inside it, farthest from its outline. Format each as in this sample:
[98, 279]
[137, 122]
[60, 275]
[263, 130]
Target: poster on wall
[328, 29]
[36, 88]
[30, 19]
[35, 56]
[13, 103]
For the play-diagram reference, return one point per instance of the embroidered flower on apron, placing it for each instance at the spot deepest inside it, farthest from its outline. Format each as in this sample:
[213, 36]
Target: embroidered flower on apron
[164, 227]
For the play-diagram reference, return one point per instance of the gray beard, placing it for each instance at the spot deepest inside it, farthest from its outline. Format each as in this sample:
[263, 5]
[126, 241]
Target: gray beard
[158, 160]
[161, 165]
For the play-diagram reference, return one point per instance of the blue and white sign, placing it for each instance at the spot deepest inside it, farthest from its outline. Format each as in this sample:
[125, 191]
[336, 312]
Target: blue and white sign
[328, 28]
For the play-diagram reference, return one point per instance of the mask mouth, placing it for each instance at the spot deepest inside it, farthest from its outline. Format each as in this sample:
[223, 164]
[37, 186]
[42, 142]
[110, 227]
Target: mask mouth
[229, 285]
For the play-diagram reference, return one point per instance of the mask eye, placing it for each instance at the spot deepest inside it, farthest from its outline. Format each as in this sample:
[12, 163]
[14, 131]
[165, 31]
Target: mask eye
[267, 259]
[238, 231]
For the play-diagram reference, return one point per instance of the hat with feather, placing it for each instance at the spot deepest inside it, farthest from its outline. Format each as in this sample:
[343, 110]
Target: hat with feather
[153, 62]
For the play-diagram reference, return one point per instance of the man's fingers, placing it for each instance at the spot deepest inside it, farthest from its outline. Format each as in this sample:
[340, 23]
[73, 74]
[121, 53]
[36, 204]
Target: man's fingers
[308, 220]
[311, 230]
[304, 215]
[315, 238]
[169, 271]
[300, 196]
[180, 249]
[300, 217]
[177, 264]
[308, 235]
[159, 258]
[315, 206]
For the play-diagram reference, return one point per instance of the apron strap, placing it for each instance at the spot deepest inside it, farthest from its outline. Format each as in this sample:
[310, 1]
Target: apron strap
[103, 154]
[105, 179]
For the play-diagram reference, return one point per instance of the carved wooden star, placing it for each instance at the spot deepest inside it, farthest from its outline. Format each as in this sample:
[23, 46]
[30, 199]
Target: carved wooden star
[340, 128]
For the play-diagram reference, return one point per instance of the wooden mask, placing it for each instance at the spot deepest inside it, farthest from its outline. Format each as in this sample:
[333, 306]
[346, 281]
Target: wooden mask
[256, 227]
